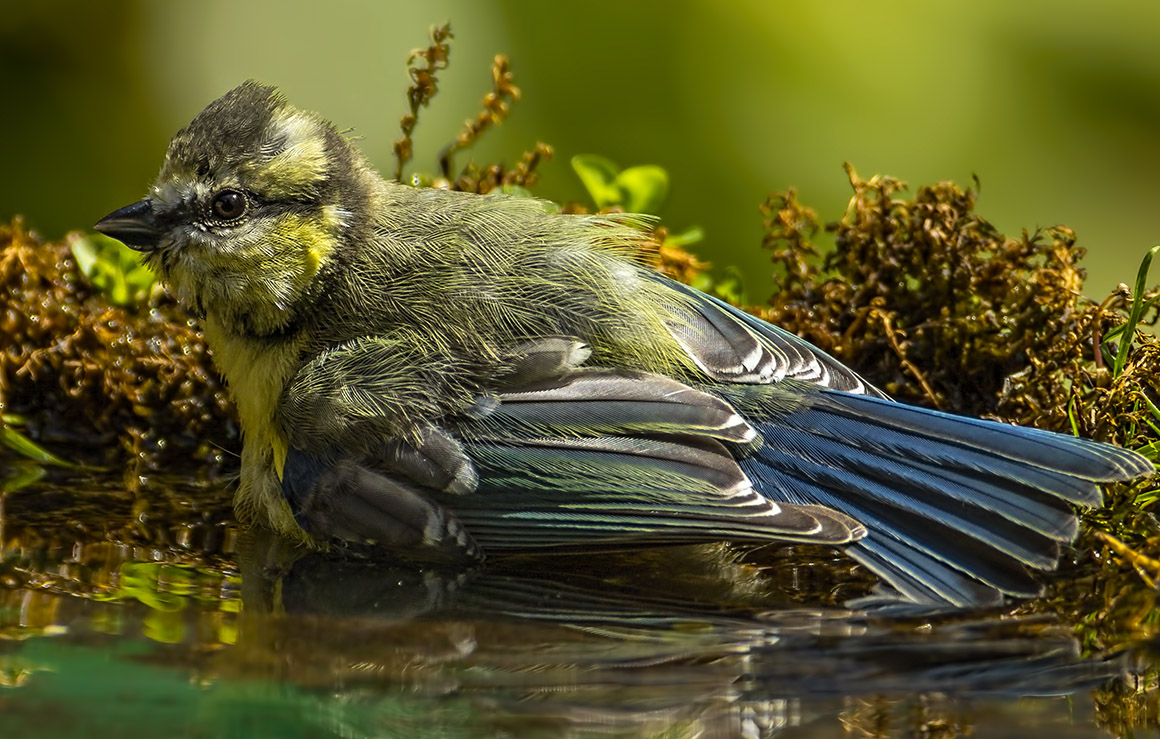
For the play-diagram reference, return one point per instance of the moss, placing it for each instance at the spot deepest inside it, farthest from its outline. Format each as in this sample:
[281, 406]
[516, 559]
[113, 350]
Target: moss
[927, 299]
[104, 382]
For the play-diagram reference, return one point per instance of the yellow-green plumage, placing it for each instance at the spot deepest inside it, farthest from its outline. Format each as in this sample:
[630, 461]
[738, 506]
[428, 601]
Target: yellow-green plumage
[461, 272]
[448, 374]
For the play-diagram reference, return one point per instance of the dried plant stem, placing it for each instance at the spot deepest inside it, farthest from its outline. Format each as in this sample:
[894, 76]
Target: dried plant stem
[423, 66]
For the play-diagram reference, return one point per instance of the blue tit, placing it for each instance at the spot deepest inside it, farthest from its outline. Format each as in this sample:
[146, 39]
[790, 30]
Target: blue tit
[445, 375]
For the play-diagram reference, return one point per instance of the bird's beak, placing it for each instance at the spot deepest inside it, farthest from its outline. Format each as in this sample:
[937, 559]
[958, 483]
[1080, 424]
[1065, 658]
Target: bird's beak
[134, 225]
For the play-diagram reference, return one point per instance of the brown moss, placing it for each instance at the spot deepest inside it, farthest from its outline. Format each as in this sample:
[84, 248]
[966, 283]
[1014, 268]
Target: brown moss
[930, 302]
[96, 381]
[924, 297]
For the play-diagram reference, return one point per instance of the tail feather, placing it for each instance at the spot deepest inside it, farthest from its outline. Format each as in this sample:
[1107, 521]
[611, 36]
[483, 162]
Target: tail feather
[892, 507]
[925, 548]
[953, 505]
[1057, 455]
[939, 493]
[919, 578]
[1000, 451]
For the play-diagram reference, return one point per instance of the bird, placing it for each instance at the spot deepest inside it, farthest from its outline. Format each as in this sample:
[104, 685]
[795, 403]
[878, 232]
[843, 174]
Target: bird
[445, 376]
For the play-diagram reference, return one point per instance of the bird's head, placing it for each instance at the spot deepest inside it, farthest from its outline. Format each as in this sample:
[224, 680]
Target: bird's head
[249, 207]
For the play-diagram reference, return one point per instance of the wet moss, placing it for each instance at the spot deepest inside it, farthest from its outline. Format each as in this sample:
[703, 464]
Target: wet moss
[100, 383]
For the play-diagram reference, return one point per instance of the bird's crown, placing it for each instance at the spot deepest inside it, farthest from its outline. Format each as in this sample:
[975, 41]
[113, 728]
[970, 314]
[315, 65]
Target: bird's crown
[252, 138]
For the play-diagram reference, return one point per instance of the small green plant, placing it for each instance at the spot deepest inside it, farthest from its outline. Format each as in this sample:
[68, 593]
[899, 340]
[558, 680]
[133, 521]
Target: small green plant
[640, 189]
[1143, 409]
[113, 268]
[643, 189]
[1140, 306]
[17, 442]
[728, 286]
[32, 458]
[516, 191]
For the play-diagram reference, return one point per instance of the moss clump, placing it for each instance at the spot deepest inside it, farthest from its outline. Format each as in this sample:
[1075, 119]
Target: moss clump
[107, 382]
[930, 302]
[924, 297]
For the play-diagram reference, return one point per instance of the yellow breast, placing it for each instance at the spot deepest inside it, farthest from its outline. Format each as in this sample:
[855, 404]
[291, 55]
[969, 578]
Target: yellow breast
[256, 372]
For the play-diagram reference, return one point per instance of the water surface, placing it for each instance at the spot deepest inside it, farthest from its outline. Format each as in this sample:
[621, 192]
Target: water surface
[143, 610]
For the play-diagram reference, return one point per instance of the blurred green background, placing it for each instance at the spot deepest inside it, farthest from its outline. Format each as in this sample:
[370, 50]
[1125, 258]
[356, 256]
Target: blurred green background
[1054, 105]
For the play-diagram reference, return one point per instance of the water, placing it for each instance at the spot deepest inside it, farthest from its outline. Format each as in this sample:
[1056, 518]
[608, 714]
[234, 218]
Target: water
[143, 610]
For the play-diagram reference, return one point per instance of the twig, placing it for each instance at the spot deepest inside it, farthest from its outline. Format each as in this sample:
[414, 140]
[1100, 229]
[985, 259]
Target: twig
[496, 106]
[892, 337]
[425, 85]
[1139, 561]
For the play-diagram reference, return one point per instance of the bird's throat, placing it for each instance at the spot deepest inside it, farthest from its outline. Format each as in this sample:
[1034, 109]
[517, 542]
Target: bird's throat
[256, 371]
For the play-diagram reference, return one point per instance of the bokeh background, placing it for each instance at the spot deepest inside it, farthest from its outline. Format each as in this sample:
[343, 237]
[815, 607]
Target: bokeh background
[1054, 105]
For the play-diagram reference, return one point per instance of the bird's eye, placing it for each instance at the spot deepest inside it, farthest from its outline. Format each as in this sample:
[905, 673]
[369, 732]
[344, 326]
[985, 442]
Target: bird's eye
[229, 205]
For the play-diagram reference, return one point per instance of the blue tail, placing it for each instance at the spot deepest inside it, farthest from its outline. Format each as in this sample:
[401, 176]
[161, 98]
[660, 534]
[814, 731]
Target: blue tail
[953, 505]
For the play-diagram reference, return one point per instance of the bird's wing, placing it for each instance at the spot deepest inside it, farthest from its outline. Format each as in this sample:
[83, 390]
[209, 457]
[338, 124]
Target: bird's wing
[353, 501]
[362, 455]
[354, 395]
[731, 345]
[559, 456]
[599, 457]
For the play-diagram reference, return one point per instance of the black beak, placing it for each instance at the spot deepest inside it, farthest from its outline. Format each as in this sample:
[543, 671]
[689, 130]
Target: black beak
[134, 225]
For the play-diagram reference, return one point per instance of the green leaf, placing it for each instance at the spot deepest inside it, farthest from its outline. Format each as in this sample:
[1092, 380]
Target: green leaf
[702, 282]
[25, 447]
[1151, 406]
[19, 476]
[598, 175]
[690, 235]
[730, 287]
[113, 268]
[1072, 416]
[643, 189]
[516, 191]
[1150, 450]
[1136, 312]
[141, 581]
[640, 189]
[85, 252]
